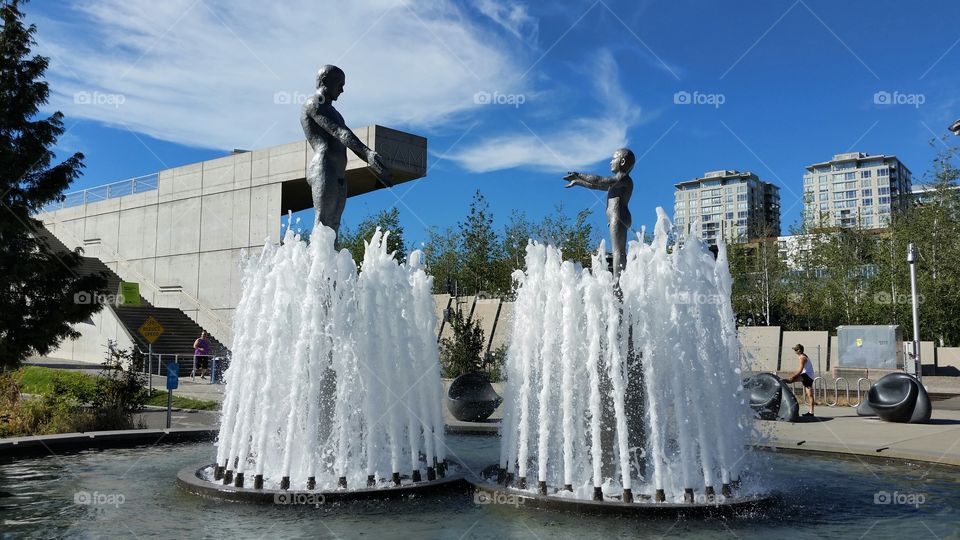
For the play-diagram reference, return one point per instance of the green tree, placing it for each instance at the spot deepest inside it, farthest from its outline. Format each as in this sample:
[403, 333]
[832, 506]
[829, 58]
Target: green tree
[574, 235]
[757, 291]
[387, 220]
[933, 226]
[463, 353]
[37, 286]
[442, 258]
[480, 249]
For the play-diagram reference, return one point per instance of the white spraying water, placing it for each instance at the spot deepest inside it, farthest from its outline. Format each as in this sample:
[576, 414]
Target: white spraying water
[633, 389]
[335, 374]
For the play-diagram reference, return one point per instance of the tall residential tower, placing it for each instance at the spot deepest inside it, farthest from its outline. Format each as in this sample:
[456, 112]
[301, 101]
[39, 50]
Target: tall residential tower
[855, 189]
[735, 205]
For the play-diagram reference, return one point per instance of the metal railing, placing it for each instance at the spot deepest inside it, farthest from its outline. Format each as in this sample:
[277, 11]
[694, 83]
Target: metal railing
[836, 392]
[131, 186]
[859, 393]
[154, 364]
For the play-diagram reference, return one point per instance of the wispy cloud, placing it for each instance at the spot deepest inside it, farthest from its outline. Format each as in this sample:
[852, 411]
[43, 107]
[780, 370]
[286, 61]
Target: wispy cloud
[230, 73]
[563, 144]
[512, 16]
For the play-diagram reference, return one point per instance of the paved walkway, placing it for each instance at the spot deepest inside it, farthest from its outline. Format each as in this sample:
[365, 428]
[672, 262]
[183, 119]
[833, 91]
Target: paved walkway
[840, 430]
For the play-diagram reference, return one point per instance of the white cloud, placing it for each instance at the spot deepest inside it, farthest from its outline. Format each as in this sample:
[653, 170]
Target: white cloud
[513, 17]
[576, 143]
[208, 72]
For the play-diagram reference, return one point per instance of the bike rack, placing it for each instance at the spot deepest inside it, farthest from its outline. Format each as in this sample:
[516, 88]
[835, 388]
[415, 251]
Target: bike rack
[859, 396]
[836, 391]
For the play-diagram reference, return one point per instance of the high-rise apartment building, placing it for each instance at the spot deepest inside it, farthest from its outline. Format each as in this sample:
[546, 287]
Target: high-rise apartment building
[737, 206]
[855, 189]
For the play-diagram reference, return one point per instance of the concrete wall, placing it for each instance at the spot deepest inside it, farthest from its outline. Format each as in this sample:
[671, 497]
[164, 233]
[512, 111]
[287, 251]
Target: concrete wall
[759, 348]
[810, 341]
[948, 360]
[183, 241]
[91, 346]
[485, 312]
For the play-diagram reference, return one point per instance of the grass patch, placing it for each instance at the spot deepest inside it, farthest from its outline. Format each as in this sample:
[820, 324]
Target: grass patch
[159, 398]
[40, 380]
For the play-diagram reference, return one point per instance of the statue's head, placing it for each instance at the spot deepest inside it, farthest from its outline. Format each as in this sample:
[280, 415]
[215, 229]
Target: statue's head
[330, 81]
[623, 160]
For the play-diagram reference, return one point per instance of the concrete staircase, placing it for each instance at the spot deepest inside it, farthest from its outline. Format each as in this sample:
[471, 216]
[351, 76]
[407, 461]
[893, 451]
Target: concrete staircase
[179, 330]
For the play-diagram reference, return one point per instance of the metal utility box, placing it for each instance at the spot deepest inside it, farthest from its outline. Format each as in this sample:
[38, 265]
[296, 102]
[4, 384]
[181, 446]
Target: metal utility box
[870, 346]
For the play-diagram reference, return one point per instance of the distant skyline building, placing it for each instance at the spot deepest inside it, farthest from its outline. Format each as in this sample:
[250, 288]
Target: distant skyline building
[737, 206]
[855, 189]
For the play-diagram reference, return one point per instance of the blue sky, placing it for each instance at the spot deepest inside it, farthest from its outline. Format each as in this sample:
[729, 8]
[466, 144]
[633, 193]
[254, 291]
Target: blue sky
[781, 84]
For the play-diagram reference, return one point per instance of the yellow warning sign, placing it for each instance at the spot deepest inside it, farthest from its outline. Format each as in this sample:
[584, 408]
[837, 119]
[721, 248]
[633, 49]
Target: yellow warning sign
[151, 329]
[859, 342]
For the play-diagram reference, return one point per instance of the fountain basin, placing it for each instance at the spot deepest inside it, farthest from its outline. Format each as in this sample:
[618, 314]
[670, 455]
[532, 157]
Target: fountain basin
[196, 480]
[491, 493]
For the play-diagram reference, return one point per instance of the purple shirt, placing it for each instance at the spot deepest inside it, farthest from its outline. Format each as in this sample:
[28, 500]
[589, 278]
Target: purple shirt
[203, 348]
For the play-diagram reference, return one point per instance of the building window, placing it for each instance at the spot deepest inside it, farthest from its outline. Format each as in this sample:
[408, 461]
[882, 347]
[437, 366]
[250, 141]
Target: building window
[824, 196]
[865, 183]
[883, 191]
[867, 192]
[883, 172]
[850, 176]
[729, 215]
[864, 174]
[867, 202]
[883, 200]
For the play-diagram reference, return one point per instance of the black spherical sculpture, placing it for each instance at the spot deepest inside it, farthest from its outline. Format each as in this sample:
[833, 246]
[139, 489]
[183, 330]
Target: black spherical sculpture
[771, 398]
[471, 398]
[897, 397]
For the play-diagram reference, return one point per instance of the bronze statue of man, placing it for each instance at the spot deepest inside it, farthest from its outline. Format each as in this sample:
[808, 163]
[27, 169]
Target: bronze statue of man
[619, 187]
[330, 137]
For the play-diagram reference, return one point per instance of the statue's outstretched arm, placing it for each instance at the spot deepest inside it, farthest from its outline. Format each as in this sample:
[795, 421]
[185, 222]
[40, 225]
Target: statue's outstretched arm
[590, 180]
[342, 133]
[351, 141]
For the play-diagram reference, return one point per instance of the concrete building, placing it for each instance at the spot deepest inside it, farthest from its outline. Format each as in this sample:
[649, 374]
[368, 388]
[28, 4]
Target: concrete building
[924, 194]
[180, 233]
[855, 190]
[734, 205]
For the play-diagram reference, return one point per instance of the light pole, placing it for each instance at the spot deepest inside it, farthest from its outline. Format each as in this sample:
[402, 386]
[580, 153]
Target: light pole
[912, 261]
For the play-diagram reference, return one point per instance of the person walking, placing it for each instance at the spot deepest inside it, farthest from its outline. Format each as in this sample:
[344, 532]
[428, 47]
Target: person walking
[201, 354]
[805, 374]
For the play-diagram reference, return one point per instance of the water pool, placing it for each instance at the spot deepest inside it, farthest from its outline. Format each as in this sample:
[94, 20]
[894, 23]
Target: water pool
[131, 493]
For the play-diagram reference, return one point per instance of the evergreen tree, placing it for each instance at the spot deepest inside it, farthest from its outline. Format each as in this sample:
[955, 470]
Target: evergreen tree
[387, 220]
[479, 250]
[38, 287]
